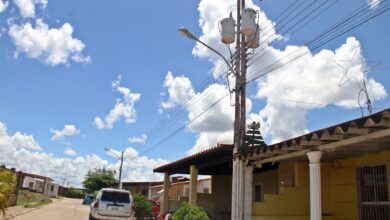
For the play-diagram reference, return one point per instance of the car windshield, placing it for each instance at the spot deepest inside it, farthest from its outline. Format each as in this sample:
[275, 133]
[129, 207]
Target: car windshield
[116, 197]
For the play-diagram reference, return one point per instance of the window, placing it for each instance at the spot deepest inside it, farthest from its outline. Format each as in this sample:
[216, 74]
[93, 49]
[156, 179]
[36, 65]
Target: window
[373, 193]
[259, 193]
[115, 197]
[30, 185]
[206, 190]
[52, 188]
[187, 192]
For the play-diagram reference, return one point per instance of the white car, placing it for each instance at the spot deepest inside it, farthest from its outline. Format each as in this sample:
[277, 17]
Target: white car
[112, 204]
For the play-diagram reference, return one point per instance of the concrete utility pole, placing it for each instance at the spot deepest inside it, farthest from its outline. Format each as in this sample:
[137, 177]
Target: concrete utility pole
[120, 171]
[242, 175]
[120, 167]
[246, 35]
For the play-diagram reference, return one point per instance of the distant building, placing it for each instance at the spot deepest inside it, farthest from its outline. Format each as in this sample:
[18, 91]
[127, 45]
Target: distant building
[180, 188]
[139, 187]
[33, 182]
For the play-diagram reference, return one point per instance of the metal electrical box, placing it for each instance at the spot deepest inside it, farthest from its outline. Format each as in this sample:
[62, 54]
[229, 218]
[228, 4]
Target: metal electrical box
[228, 30]
[253, 41]
[248, 19]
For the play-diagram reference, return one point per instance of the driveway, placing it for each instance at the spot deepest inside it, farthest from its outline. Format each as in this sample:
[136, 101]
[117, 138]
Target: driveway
[64, 209]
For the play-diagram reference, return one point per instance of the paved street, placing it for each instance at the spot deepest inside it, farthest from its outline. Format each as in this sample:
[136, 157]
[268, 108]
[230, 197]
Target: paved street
[65, 209]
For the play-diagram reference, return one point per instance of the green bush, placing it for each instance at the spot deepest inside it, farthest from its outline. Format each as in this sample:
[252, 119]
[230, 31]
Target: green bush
[143, 208]
[7, 187]
[74, 193]
[187, 212]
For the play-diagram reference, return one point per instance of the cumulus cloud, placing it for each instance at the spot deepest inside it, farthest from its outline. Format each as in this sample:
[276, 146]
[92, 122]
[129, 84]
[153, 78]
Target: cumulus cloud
[179, 90]
[315, 78]
[51, 45]
[68, 130]
[70, 152]
[137, 167]
[213, 125]
[374, 3]
[140, 140]
[124, 107]
[16, 141]
[23, 152]
[27, 7]
[3, 5]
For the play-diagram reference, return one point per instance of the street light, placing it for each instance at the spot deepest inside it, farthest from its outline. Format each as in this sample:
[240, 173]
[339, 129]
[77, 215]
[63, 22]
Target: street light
[119, 158]
[186, 33]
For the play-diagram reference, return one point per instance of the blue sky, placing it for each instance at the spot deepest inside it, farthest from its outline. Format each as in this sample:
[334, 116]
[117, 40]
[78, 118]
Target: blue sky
[65, 63]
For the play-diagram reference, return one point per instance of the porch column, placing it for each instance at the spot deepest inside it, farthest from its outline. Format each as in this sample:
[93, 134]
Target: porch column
[193, 184]
[164, 205]
[248, 193]
[315, 185]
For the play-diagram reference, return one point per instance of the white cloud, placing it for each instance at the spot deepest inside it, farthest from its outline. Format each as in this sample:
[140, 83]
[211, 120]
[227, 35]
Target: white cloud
[23, 152]
[51, 45]
[136, 167]
[16, 141]
[27, 7]
[3, 5]
[315, 78]
[70, 152]
[214, 125]
[68, 130]
[179, 90]
[374, 3]
[124, 107]
[140, 140]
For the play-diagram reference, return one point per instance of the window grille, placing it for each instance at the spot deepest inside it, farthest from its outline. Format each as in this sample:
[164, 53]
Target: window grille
[373, 193]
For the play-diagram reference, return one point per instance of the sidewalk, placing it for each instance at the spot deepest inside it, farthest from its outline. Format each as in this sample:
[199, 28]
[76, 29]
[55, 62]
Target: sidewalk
[14, 211]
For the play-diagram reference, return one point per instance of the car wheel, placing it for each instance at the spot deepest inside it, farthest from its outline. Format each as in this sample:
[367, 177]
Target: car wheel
[91, 218]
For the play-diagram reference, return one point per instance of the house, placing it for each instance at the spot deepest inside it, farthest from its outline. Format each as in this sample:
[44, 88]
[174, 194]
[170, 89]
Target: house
[37, 183]
[215, 162]
[139, 187]
[338, 172]
[181, 190]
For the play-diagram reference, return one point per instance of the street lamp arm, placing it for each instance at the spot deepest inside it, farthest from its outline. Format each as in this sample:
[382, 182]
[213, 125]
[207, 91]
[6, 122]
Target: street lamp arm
[113, 153]
[215, 51]
[185, 32]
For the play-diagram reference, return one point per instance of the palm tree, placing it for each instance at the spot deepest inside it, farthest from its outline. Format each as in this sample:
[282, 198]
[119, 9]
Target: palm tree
[7, 186]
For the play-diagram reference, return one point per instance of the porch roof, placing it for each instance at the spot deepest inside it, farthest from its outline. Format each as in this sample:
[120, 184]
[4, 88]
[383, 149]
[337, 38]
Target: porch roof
[356, 137]
[213, 161]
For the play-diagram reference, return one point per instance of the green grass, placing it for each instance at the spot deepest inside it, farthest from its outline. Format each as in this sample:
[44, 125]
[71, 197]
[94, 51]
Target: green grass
[32, 199]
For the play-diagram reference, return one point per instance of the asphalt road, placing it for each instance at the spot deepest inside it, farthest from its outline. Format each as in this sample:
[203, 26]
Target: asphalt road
[64, 209]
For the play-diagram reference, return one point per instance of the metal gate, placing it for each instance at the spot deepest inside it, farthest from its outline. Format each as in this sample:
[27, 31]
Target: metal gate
[373, 193]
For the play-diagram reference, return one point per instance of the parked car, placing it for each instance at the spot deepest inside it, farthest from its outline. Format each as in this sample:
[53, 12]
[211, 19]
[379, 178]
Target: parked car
[88, 199]
[155, 207]
[112, 204]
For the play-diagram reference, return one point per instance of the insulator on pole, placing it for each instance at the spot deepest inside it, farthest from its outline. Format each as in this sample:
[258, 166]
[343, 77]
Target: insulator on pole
[228, 30]
[253, 41]
[248, 22]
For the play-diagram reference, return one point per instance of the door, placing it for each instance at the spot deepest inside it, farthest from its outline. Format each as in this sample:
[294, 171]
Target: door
[373, 193]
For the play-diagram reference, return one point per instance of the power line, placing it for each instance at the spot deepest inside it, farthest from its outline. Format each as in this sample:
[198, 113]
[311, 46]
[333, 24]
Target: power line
[184, 126]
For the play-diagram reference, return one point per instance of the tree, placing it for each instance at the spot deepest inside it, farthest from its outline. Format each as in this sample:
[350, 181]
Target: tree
[74, 193]
[188, 212]
[98, 179]
[143, 208]
[7, 187]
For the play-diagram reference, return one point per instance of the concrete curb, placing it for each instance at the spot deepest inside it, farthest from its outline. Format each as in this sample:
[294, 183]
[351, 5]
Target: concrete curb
[30, 210]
